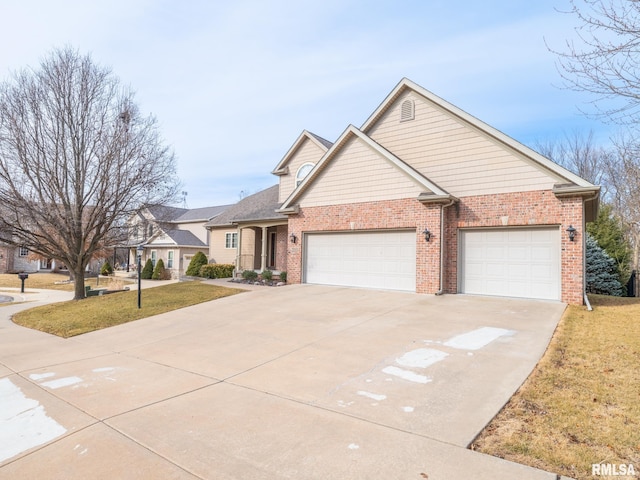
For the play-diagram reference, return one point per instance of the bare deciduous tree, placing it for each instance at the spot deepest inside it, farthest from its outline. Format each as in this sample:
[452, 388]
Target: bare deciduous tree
[604, 58]
[76, 158]
[579, 154]
[623, 171]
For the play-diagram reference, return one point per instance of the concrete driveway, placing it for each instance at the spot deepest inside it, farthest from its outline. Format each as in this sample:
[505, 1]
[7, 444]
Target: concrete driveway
[293, 382]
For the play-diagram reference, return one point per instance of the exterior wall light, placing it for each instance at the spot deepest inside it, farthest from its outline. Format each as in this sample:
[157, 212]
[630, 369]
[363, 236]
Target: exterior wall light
[293, 238]
[572, 233]
[427, 235]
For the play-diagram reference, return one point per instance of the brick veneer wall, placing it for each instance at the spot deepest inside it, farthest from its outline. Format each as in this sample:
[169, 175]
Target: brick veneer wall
[389, 214]
[281, 247]
[520, 209]
[502, 210]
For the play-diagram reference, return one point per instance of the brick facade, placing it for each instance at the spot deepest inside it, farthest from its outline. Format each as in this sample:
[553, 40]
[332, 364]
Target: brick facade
[501, 210]
[281, 247]
[520, 209]
[384, 215]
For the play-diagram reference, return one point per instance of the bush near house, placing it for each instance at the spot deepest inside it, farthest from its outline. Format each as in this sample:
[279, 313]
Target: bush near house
[160, 273]
[266, 275]
[217, 270]
[106, 269]
[196, 263]
[147, 271]
[283, 277]
[250, 275]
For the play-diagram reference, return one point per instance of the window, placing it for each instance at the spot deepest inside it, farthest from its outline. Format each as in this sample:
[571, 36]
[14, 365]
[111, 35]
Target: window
[231, 240]
[302, 172]
[170, 259]
[407, 110]
[24, 251]
[150, 230]
[154, 257]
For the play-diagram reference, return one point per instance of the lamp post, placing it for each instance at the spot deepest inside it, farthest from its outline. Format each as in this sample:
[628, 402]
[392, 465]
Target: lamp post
[140, 249]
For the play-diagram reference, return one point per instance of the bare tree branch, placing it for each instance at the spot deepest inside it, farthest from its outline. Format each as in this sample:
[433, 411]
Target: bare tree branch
[76, 158]
[604, 58]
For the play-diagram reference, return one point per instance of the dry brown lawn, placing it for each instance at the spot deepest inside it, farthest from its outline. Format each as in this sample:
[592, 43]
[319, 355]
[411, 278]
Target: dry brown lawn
[47, 280]
[75, 317]
[581, 405]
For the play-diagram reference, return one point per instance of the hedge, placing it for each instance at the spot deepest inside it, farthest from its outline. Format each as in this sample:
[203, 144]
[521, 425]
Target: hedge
[217, 270]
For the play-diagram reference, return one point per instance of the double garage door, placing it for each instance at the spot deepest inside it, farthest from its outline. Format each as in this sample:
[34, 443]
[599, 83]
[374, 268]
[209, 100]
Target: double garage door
[512, 262]
[384, 260]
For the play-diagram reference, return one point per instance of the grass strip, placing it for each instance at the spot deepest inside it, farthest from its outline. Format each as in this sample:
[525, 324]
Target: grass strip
[581, 405]
[67, 319]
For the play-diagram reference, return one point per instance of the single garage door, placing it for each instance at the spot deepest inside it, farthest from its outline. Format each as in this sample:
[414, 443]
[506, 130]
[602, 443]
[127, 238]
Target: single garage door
[514, 262]
[385, 260]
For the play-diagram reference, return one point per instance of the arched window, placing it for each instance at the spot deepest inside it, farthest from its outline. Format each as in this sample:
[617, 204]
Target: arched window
[302, 172]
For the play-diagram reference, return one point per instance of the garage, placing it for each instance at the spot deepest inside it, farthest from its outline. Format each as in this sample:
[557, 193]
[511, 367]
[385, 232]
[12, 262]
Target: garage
[511, 262]
[384, 260]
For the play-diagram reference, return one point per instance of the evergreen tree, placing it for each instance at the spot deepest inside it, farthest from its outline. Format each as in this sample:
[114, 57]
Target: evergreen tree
[198, 260]
[147, 271]
[602, 274]
[608, 232]
[159, 273]
[106, 268]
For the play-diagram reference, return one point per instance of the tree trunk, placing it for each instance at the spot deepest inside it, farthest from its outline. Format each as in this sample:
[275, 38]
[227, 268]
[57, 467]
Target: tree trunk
[78, 277]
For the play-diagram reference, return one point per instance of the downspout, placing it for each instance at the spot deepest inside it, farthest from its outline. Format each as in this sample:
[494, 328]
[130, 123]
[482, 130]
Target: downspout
[584, 253]
[442, 207]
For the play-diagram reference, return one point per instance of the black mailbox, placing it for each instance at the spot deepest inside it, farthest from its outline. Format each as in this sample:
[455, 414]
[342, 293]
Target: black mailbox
[22, 276]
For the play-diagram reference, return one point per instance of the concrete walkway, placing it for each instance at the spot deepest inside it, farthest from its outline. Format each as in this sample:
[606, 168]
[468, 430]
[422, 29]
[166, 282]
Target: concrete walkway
[300, 382]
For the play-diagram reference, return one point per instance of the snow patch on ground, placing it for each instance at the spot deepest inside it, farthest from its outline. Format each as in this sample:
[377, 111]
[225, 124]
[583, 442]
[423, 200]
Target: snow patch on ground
[476, 339]
[24, 423]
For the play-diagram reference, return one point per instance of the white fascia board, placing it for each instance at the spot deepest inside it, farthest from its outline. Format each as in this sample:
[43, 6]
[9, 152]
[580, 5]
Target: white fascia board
[349, 132]
[281, 168]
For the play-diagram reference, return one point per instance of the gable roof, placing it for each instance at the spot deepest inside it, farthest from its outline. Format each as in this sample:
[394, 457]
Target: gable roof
[281, 168]
[353, 132]
[260, 206]
[538, 159]
[203, 214]
[181, 238]
[165, 213]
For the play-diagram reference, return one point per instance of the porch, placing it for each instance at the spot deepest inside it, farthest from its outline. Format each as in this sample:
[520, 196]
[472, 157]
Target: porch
[262, 247]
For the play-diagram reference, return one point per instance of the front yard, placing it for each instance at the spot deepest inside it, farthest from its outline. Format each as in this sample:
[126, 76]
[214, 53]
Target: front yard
[581, 405]
[67, 319]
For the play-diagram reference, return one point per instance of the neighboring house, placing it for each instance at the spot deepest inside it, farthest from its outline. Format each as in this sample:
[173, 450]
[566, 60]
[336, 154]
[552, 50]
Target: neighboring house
[171, 234]
[20, 259]
[423, 197]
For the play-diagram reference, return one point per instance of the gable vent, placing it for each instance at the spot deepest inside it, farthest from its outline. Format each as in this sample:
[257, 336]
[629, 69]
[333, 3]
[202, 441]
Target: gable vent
[407, 110]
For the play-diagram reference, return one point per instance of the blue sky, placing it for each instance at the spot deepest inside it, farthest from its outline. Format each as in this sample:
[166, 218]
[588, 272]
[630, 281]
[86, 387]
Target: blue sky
[234, 83]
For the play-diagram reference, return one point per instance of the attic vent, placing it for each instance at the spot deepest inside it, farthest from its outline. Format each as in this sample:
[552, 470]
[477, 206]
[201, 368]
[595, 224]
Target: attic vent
[407, 110]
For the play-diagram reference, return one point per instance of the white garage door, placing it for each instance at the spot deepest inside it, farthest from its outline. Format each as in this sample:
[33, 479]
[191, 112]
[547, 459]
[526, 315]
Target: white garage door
[385, 260]
[511, 262]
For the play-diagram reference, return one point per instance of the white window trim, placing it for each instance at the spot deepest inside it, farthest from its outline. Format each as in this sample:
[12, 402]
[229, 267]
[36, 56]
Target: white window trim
[23, 252]
[234, 240]
[170, 258]
[300, 179]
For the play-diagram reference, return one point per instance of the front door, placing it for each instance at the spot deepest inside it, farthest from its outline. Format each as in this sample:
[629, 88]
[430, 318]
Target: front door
[272, 250]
